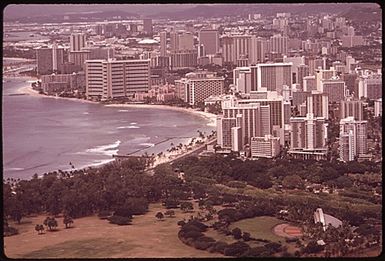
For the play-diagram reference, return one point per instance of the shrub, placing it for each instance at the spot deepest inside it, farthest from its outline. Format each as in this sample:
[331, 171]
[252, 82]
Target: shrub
[171, 203]
[123, 212]
[119, 220]
[181, 223]
[193, 234]
[236, 249]
[104, 214]
[237, 233]
[273, 247]
[202, 245]
[220, 247]
[236, 184]
[246, 236]
[256, 252]
[10, 231]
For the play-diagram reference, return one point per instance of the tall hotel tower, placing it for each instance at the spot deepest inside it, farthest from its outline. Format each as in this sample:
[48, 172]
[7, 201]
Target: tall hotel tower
[108, 79]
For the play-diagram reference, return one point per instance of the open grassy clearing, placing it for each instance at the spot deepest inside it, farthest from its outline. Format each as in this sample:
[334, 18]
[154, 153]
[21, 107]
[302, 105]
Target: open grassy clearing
[93, 237]
[260, 227]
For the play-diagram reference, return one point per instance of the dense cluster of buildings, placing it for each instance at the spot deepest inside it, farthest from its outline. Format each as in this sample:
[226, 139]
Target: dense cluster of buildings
[291, 77]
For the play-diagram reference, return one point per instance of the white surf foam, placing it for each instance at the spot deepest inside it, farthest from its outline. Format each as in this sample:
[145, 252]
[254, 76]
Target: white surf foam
[109, 149]
[14, 169]
[123, 110]
[128, 127]
[147, 144]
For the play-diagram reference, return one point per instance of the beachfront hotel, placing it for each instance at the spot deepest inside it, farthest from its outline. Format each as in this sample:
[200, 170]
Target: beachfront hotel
[109, 79]
[198, 86]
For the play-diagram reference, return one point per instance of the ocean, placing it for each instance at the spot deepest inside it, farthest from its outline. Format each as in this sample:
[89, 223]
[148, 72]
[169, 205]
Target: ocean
[42, 134]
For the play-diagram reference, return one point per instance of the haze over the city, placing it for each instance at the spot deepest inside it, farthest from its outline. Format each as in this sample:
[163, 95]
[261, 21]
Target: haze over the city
[192, 130]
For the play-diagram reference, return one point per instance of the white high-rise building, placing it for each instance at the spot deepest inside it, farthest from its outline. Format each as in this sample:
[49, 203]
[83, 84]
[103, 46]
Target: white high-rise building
[278, 44]
[77, 42]
[108, 79]
[272, 76]
[318, 104]
[242, 79]
[308, 137]
[334, 88]
[264, 147]
[378, 108]
[354, 108]
[370, 86]
[353, 138]
[271, 110]
[196, 87]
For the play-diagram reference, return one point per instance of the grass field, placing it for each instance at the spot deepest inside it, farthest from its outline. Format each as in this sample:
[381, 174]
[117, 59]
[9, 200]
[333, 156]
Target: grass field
[260, 227]
[92, 237]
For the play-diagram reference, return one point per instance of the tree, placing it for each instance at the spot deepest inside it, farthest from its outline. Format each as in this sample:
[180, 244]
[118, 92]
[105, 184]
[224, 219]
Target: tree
[39, 228]
[236, 249]
[186, 206]
[51, 223]
[237, 233]
[170, 213]
[159, 215]
[246, 236]
[67, 221]
[293, 181]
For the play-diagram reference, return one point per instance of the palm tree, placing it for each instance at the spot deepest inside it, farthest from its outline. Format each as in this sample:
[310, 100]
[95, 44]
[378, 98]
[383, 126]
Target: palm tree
[67, 221]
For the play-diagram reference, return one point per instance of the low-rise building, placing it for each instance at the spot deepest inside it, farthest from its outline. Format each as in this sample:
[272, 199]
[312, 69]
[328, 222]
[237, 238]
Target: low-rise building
[264, 147]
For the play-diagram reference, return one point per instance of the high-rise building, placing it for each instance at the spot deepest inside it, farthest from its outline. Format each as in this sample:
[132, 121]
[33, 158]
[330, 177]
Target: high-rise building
[264, 147]
[147, 26]
[183, 59]
[272, 109]
[196, 87]
[308, 137]
[295, 61]
[224, 127]
[49, 60]
[209, 38]
[272, 76]
[352, 108]
[302, 71]
[79, 57]
[108, 79]
[321, 75]
[309, 83]
[353, 138]
[54, 83]
[334, 88]
[299, 97]
[378, 108]
[278, 44]
[77, 42]
[181, 41]
[242, 79]
[317, 104]
[163, 44]
[370, 86]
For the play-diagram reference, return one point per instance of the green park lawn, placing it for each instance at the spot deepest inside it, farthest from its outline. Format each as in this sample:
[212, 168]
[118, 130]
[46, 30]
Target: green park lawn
[260, 227]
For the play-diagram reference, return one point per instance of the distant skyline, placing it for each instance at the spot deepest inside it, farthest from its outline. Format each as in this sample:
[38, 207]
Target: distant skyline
[14, 11]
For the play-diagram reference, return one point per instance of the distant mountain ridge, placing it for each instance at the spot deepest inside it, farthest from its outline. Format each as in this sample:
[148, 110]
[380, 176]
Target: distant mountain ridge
[220, 10]
[82, 12]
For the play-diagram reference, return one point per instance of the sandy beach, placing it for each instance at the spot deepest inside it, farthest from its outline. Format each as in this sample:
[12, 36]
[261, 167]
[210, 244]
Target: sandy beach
[167, 156]
[208, 116]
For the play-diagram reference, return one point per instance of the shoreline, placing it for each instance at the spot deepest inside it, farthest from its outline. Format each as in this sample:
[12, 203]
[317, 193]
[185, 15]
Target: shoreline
[167, 156]
[208, 116]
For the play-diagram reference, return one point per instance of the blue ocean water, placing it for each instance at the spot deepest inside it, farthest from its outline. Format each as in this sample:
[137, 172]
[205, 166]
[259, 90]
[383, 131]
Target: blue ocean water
[42, 134]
